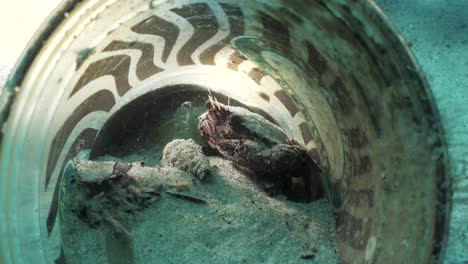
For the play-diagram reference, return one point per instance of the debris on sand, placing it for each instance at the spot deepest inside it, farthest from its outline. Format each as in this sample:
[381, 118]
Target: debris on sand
[117, 225]
[186, 155]
[130, 187]
[103, 187]
[142, 176]
[187, 197]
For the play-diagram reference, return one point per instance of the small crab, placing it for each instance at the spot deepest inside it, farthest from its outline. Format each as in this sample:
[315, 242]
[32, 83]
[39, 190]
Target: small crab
[254, 143]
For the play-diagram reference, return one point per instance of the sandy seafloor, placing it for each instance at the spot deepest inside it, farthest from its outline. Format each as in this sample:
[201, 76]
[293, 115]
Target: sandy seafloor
[239, 224]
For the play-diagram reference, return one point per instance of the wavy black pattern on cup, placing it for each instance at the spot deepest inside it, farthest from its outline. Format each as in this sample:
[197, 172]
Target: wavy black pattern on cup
[236, 27]
[113, 66]
[205, 26]
[145, 65]
[157, 26]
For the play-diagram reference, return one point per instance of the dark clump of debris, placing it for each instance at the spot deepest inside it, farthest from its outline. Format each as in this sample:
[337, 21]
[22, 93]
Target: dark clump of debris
[255, 144]
[117, 192]
[103, 189]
